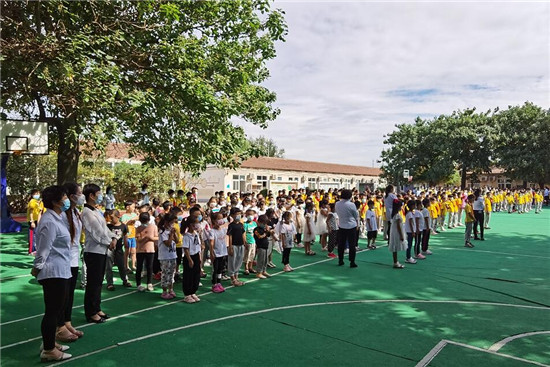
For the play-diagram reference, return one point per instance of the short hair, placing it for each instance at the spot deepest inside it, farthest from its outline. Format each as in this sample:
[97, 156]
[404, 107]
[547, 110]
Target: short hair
[370, 202]
[346, 194]
[144, 218]
[90, 189]
[51, 195]
[234, 211]
[128, 203]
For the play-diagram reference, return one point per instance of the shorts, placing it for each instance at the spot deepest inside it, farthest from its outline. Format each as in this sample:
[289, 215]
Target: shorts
[371, 235]
[132, 242]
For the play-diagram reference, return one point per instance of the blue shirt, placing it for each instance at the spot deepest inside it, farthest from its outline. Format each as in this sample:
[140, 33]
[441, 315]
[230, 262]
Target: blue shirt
[347, 214]
[53, 246]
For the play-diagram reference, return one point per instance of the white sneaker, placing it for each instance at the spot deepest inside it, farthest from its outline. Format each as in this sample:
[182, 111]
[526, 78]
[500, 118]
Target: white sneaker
[150, 287]
[427, 252]
[141, 288]
[410, 260]
[346, 251]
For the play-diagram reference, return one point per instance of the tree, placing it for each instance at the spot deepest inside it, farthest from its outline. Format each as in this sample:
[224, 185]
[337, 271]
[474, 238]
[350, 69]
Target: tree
[166, 77]
[265, 147]
[523, 147]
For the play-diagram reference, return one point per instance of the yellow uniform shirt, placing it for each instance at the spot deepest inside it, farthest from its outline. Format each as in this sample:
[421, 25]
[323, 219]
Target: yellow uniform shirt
[488, 205]
[179, 237]
[34, 209]
[469, 214]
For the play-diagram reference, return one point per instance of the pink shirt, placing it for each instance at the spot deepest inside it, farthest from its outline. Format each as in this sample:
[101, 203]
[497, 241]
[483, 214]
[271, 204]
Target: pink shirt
[148, 231]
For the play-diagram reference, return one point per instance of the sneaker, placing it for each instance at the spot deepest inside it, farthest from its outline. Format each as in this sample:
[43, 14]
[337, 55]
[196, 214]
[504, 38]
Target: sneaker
[331, 255]
[286, 268]
[300, 245]
[346, 251]
[427, 252]
[157, 276]
[271, 265]
[468, 244]
[215, 289]
[420, 257]
[165, 296]
[127, 284]
[141, 288]
[150, 287]
[397, 265]
[324, 249]
[221, 288]
[410, 260]
[225, 277]
[173, 294]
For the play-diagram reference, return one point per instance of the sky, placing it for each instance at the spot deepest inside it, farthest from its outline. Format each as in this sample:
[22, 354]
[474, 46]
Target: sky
[349, 71]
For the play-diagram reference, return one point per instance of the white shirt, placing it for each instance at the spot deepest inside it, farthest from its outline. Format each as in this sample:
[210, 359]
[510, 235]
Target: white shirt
[53, 243]
[388, 203]
[347, 214]
[479, 204]
[426, 214]
[75, 245]
[289, 230]
[418, 214]
[410, 217]
[98, 236]
[109, 201]
[371, 219]
[166, 252]
[192, 242]
[220, 244]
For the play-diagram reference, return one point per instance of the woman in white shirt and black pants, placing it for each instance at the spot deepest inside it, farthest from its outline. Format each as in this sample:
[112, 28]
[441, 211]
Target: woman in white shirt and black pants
[52, 268]
[98, 239]
[479, 210]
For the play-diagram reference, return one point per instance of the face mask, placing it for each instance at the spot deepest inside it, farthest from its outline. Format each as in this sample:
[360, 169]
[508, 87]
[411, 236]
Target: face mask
[199, 218]
[66, 205]
[223, 203]
[221, 222]
[80, 199]
[250, 218]
[364, 200]
[196, 226]
[99, 199]
[212, 205]
[238, 218]
[36, 197]
[180, 217]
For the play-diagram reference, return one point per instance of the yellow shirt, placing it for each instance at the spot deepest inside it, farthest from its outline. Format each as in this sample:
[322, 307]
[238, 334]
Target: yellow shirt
[469, 214]
[488, 205]
[34, 209]
[377, 208]
[179, 237]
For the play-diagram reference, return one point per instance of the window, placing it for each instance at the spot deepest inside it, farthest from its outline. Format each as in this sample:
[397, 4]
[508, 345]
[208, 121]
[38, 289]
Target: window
[262, 181]
[279, 178]
[239, 183]
[293, 179]
[312, 183]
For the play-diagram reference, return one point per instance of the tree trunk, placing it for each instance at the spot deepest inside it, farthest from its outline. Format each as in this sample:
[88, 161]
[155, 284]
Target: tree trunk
[68, 152]
[524, 184]
[463, 178]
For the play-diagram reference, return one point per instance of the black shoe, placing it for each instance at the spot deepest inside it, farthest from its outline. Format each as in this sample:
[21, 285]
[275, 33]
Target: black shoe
[105, 316]
[340, 263]
[101, 320]
[353, 265]
[476, 238]
[482, 239]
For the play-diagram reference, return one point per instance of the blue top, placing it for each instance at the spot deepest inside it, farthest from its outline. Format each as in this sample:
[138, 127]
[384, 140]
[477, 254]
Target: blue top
[53, 246]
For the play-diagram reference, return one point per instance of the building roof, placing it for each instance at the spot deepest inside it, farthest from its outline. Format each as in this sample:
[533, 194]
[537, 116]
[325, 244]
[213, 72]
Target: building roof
[306, 166]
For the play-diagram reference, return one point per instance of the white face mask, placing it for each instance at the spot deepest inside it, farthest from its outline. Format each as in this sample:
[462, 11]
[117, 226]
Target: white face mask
[80, 199]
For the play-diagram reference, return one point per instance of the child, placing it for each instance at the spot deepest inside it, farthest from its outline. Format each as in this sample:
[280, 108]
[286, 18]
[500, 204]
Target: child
[410, 229]
[321, 224]
[177, 213]
[332, 225]
[237, 239]
[372, 225]
[250, 245]
[116, 256]
[191, 262]
[300, 222]
[469, 220]
[397, 236]
[261, 234]
[419, 221]
[35, 209]
[427, 227]
[167, 254]
[218, 250]
[146, 238]
[129, 219]
[288, 230]
[309, 229]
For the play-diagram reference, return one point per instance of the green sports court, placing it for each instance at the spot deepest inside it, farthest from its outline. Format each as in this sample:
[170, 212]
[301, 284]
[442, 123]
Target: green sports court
[486, 306]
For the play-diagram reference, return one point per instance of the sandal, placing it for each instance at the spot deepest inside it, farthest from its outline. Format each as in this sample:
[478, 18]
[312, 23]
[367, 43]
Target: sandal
[65, 336]
[398, 266]
[246, 272]
[110, 287]
[310, 253]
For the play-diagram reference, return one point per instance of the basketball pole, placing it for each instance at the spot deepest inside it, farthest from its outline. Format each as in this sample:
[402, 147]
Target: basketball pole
[8, 224]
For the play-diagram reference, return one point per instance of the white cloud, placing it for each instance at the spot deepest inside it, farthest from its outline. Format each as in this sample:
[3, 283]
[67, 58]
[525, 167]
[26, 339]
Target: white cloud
[350, 70]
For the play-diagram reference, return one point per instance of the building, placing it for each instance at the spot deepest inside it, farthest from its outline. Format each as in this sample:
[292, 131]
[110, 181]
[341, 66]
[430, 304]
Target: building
[497, 178]
[256, 174]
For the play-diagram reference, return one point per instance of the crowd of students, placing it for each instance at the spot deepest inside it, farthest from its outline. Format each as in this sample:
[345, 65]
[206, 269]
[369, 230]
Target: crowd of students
[235, 234]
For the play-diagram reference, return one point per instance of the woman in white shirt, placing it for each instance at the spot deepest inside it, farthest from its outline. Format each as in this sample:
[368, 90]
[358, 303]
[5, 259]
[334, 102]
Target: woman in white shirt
[52, 268]
[67, 333]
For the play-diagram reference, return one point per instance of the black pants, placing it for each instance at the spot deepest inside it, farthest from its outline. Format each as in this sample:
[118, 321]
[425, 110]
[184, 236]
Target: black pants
[217, 269]
[425, 239]
[148, 257]
[417, 242]
[156, 263]
[191, 275]
[346, 235]
[286, 256]
[480, 219]
[179, 255]
[69, 299]
[95, 265]
[299, 237]
[55, 292]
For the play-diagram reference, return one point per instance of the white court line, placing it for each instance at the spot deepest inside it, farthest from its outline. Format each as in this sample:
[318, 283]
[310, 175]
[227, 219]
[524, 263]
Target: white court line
[252, 313]
[74, 307]
[439, 347]
[15, 277]
[491, 252]
[498, 345]
[155, 307]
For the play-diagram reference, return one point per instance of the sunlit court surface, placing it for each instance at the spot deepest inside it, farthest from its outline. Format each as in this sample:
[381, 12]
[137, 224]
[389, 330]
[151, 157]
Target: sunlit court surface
[486, 306]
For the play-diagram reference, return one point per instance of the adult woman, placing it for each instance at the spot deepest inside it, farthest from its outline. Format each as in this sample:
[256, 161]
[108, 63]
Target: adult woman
[109, 200]
[479, 209]
[388, 204]
[52, 268]
[67, 333]
[98, 239]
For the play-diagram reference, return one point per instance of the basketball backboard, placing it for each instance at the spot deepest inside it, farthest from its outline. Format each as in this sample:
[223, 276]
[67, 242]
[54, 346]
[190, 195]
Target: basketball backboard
[24, 137]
